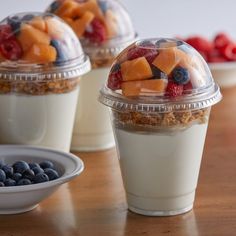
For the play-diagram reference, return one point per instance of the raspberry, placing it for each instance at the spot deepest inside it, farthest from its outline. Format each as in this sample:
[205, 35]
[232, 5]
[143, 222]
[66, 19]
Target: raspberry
[148, 53]
[11, 49]
[96, 32]
[200, 44]
[174, 90]
[221, 40]
[229, 52]
[5, 33]
[115, 78]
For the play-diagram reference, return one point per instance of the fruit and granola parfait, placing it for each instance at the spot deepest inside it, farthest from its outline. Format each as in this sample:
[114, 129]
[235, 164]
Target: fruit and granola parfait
[104, 28]
[41, 61]
[160, 92]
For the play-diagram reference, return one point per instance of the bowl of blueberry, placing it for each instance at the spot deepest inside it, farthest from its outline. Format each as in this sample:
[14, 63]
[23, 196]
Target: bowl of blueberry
[28, 175]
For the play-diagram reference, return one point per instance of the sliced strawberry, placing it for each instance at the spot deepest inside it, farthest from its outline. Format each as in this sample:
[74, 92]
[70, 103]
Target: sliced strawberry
[174, 90]
[229, 52]
[221, 40]
[201, 44]
[149, 53]
[96, 31]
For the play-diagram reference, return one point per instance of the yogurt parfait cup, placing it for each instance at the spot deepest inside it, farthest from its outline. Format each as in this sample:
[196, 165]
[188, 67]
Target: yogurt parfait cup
[105, 29]
[41, 62]
[160, 92]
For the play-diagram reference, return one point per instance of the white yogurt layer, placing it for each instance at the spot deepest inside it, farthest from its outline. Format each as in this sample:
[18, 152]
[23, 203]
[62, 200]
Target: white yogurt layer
[92, 130]
[44, 120]
[160, 172]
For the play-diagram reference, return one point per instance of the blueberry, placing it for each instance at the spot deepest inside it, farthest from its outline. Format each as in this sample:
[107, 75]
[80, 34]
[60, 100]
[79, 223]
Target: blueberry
[33, 165]
[52, 174]
[15, 23]
[23, 182]
[103, 5]
[2, 176]
[37, 170]
[180, 75]
[54, 6]
[17, 176]
[2, 184]
[20, 166]
[27, 17]
[61, 54]
[46, 164]
[10, 182]
[158, 74]
[28, 174]
[8, 170]
[40, 178]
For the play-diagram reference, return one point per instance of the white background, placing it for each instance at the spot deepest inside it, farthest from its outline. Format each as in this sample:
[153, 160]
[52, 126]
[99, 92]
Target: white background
[160, 18]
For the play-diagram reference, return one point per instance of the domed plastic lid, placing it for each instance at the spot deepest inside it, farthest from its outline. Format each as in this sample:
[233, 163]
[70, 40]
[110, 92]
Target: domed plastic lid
[103, 26]
[39, 46]
[160, 75]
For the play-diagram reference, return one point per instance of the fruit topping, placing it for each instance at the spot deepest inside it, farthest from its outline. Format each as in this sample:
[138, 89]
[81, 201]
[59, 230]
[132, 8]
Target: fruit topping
[144, 87]
[115, 78]
[96, 31]
[5, 33]
[180, 75]
[137, 69]
[174, 90]
[61, 53]
[11, 49]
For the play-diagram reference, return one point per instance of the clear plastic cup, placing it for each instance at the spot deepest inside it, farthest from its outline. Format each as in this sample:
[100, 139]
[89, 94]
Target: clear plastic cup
[41, 61]
[105, 29]
[160, 92]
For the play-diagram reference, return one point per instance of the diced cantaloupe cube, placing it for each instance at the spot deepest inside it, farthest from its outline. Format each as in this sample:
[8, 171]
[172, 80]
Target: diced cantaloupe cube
[137, 69]
[54, 28]
[167, 59]
[68, 20]
[30, 35]
[90, 5]
[40, 53]
[80, 24]
[150, 87]
[111, 24]
[38, 23]
[67, 9]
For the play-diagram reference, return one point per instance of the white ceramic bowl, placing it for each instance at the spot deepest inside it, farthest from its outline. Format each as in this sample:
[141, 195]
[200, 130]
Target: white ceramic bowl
[18, 199]
[224, 73]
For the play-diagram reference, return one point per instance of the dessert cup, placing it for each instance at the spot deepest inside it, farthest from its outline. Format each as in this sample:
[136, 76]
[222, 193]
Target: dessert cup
[41, 62]
[160, 92]
[104, 28]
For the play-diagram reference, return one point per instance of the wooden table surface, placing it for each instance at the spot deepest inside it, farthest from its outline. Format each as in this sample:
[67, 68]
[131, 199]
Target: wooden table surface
[94, 203]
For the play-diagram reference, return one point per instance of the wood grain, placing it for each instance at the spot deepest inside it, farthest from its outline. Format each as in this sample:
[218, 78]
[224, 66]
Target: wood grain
[94, 204]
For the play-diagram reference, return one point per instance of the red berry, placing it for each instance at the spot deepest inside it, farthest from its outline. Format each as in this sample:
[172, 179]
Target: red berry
[11, 49]
[96, 31]
[221, 40]
[136, 52]
[115, 80]
[174, 90]
[5, 33]
[229, 52]
[188, 86]
[200, 44]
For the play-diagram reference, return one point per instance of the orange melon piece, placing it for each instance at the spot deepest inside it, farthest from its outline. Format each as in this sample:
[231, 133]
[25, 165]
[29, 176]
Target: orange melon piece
[41, 53]
[80, 24]
[67, 9]
[68, 20]
[137, 69]
[92, 6]
[167, 59]
[38, 23]
[54, 28]
[30, 35]
[111, 24]
[150, 87]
